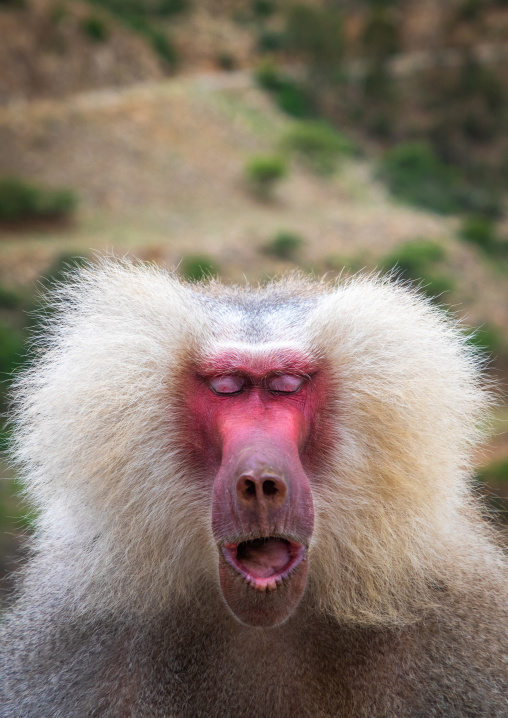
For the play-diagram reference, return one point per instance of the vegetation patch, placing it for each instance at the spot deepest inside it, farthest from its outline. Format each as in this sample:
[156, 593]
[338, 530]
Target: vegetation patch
[95, 28]
[263, 172]
[419, 261]
[289, 94]
[11, 348]
[195, 267]
[284, 245]
[496, 472]
[488, 339]
[145, 19]
[481, 231]
[21, 200]
[415, 174]
[318, 145]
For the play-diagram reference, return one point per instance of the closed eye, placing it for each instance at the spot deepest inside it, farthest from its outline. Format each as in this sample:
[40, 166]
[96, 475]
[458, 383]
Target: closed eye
[285, 383]
[227, 384]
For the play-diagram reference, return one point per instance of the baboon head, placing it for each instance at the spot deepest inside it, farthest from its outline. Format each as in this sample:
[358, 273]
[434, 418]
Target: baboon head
[297, 443]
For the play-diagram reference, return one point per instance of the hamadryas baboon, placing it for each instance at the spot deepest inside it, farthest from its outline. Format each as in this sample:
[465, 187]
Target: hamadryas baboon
[253, 503]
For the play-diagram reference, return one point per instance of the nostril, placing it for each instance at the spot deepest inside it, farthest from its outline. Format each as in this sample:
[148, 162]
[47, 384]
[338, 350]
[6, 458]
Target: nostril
[252, 489]
[249, 488]
[246, 490]
[269, 488]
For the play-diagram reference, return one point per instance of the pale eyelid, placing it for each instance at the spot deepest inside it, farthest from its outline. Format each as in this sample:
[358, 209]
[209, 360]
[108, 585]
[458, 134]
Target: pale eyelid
[285, 383]
[227, 384]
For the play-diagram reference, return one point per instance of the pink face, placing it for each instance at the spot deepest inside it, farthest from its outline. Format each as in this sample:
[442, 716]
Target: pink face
[253, 425]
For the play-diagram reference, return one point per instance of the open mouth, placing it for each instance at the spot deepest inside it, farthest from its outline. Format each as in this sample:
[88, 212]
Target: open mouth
[264, 562]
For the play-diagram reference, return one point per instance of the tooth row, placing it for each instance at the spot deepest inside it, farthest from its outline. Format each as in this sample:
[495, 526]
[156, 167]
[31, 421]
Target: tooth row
[264, 584]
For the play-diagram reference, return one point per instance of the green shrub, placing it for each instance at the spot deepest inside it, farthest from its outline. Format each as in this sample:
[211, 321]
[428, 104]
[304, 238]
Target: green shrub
[128, 9]
[496, 472]
[350, 265]
[416, 175]
[60, 269]
[480, 231]
[95, 28]
[290, 96]
[263, 172]
[318, 145]
[143, 17]
[488, 338]
[268, 76]
[162, 45]
[195, 267]
[284, 245]
[11, 346]
[295, 101]
[271, 41]
[412, 259]
[20, 199]
[264, 8]
[56, 274]
[418, 262]
[9, 299]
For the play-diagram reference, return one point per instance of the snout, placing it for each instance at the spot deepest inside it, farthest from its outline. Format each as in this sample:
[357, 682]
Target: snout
[259, 490]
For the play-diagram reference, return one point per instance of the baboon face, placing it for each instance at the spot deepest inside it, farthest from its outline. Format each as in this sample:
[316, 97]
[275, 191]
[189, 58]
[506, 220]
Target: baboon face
[253, 421]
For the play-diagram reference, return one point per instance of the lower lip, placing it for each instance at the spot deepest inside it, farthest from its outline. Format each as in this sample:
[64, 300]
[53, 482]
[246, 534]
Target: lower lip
[268, 583]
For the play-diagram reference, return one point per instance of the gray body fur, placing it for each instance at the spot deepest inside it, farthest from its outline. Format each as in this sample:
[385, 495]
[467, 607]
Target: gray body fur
[120, 613]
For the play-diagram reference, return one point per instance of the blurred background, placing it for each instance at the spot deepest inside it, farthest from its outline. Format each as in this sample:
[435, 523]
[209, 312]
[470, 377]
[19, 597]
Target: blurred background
[244, 138]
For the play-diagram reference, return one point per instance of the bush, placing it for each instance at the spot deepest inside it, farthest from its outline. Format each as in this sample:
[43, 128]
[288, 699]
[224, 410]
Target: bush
[418, 262]
[20, 200]
[58, 272]
[290, 96]
[196, 267]
[271, 41]
[143, 17]
[480, 231]
[95, 28]
[341, 263]
[263, 8]
[11, 346]
[415, 174]
[263, 173]
[488, 338]
[161, 44]
[318, 145]
[9, 299]
[269, 77]
[496, 472]
[128, 9]
[284, 245]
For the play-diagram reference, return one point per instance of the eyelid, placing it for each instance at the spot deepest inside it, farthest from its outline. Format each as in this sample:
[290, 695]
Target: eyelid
[285, 383]
[227, 384]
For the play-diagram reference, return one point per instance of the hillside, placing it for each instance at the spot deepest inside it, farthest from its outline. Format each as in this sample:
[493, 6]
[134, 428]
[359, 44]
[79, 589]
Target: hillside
[159, 169]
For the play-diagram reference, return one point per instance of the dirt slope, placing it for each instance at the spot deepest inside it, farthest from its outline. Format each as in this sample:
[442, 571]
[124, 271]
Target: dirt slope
[159, 169]
[47, 49]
